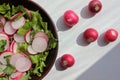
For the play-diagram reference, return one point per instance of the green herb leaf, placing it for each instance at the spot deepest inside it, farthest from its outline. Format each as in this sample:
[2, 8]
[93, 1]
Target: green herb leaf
[26, 76]
[2, 45]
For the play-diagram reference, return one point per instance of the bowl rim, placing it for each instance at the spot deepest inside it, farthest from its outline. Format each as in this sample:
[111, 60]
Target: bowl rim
[49, 68]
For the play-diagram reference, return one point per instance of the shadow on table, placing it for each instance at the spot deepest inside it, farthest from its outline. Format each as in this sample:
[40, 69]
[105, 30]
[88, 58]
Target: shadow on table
[81, 41]
[107, 68]
[85, 13]
[101, 41]
[61, 26]
[58, 66]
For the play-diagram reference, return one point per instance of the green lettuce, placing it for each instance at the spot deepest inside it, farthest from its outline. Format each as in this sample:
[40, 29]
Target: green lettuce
[2, 45]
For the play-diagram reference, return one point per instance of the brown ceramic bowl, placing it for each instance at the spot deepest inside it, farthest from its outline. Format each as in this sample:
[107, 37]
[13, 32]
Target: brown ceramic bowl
[33, 6]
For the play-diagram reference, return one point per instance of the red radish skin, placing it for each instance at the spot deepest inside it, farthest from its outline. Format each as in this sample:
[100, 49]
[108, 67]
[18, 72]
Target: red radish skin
[18, 38]
[15, 16]
[2, 34]
[67, 60]
[28, 13]
[18, 23]
[3, 20]
[111, 35]
[16, 75]
[23, 64]
[95, 6]
[11, 45]
[90, 35]
[15, 47]
[30, 50]
[42, 34]
[8, 29]
[70, 18]
[27, 36]
[39, 44]
[2, 73]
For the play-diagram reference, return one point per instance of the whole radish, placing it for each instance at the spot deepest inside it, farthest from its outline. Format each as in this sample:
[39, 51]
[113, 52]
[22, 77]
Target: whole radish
[70, 18]
[67, 60]
[111, 35]
[95, 6]
[90, 35]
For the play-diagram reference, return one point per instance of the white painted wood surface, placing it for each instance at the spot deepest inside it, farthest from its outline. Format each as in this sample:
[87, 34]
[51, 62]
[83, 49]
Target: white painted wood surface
[96, 61]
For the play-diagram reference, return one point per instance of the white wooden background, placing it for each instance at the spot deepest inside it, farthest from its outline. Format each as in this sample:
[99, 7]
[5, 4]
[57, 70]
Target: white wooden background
[96, 61]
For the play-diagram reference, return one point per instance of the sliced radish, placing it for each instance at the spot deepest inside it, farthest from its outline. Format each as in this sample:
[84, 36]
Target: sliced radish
[4, 35]
[28, 13]
[18, 24]
[30, 50]
[2, 19]
[39, 44]
[23, 64]
[11, 45]
[18, 38]
[1, 29]
[1, 24]
[15, 47]
[16, 75]
[2, 60]
[7, 44]
[2, 73]
[14, 58]
[42, 34]
[15, 16]
[27, 36]
[8, 29]
[10, 78]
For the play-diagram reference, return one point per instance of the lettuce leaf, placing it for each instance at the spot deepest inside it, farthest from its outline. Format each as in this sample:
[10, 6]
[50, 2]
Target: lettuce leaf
[8, 11]
[4, 78]
[2, 45]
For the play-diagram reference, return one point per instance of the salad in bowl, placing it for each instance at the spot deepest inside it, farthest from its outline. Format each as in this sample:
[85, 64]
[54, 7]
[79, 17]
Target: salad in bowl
[28, 41]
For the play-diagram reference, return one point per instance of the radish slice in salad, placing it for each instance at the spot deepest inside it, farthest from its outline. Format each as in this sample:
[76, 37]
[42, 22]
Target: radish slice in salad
[42, 34]
[39, 44]
[15, 16]
[2, 73]
[30, 50]
[18, 23]
[18, 38]
[16, 75]
[27, 36]
[2, 60]
[4, 35]
[11, 45]
[8, 29]
[14, 58]
[3, 20]
[1, 29]
[15, 47]
[23, 64]
[28, 13]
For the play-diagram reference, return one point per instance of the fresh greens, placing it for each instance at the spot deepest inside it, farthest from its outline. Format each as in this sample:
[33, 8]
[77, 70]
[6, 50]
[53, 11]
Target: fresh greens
[8, 11]
[4, 78]
[2, 45]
